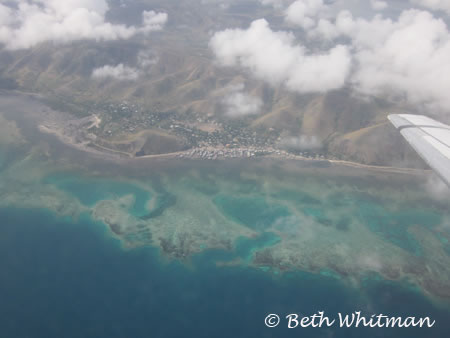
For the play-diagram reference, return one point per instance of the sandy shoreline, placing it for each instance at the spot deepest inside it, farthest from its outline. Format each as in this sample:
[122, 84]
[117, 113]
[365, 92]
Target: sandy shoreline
[52, 122]
[217, 154]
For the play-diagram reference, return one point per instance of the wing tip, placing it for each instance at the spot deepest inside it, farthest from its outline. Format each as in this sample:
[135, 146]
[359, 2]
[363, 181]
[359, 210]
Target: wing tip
[396, 119]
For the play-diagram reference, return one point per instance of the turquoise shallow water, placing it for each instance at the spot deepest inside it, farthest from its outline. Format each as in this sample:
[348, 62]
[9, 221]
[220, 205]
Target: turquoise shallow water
[70, 278]
[245, 247]
[65, 279]
[253, 212]
[89, 190]
[5, 157]
[393, 225]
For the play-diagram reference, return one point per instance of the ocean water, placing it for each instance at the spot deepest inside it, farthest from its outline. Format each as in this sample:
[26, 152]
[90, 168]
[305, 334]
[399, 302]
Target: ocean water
[65, 278]
[69, 277]
[252, 212]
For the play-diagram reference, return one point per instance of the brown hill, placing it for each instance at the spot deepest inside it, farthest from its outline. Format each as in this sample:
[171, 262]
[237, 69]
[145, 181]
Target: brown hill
[185, 79]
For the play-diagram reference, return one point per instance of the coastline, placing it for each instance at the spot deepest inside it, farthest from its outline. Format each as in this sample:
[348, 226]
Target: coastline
[66, 129]
[114, 210]
[219, 154]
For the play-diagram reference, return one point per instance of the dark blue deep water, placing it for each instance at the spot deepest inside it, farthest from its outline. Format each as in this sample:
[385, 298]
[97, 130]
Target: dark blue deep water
[64, 279]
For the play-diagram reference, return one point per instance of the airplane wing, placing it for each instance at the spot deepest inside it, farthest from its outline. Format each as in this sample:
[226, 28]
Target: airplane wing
[430, 138]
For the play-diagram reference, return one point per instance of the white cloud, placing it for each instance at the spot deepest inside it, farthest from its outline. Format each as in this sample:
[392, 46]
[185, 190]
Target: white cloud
[378, 5]
[404, 57]
[408, 57]
[153, 21]
[5, 19]
[119, 72]
[437, 189]
[146, 59]
[277, 59]
[443, 5]
[5, 15]
[238, 103]
[304, 13]
[36, 21]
